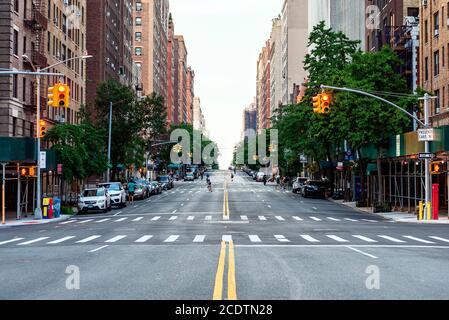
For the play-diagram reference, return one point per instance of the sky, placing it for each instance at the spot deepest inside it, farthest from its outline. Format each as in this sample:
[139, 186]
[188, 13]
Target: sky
[224, 39]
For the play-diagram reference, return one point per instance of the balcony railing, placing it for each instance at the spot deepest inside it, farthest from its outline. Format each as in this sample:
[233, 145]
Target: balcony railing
[36, 20]
[39, 59]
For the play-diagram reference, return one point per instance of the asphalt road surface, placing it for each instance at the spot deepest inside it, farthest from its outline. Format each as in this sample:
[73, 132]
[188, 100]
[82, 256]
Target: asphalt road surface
[242, 241]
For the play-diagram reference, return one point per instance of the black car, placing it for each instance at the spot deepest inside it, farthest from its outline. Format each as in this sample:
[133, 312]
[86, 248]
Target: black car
[314, 189]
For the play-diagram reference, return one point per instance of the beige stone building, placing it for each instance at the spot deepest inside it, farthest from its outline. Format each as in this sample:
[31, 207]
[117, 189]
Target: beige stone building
[434, 57]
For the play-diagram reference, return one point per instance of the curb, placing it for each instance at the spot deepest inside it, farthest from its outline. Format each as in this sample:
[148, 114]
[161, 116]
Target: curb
[66, 217]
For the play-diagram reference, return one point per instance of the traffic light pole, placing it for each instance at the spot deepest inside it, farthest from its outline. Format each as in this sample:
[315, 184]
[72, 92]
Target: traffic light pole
[38, 210]
[425, 124]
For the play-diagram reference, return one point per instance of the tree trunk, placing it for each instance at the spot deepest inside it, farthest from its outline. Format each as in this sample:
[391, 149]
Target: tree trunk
[379, 178]
[362, 176]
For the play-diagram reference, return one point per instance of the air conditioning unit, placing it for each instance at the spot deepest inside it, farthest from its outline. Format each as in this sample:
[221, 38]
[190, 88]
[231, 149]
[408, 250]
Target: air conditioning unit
[437, 110]
[437, 32]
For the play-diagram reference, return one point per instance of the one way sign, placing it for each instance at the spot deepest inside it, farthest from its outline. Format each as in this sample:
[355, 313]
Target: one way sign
[423, 156]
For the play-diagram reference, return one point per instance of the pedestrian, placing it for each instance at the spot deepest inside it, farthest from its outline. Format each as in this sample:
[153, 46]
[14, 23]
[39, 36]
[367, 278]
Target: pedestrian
[232, 176]
[264, 180]
[131, 189]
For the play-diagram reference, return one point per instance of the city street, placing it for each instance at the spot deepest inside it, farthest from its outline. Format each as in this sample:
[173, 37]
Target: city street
[242, 241]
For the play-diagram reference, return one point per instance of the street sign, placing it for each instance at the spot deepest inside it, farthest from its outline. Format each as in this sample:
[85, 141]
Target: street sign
[426, 135]
[423, 156]
[43, 155]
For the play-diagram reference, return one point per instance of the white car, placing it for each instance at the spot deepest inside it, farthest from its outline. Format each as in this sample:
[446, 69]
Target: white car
[94, 199]
[259, 176]
[116, 192]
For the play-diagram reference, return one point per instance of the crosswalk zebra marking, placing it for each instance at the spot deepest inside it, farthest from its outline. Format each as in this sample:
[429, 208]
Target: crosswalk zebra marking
[103, 220]
[309, 238]
[336, 238]
[391, 239]
[333, 219]
[144, 239]
[88, 239]
[85, 221]
[364, 238]
[11, 240]
[245, 218]
[32, 241]
[352, 220]
[199, 238]
[280, 218]
[121, 219]
[138, 219]
[226, 238]
[419, 239]
[115, 239]
[173, 218]
[254, 238]
[190, 218]
[208, 218]
[297, 218]
[156, 218]
[439, 239]
[172, 238]
[67, 222]
[61, 240]
[281, 238]
[262, 218]
[315, 218]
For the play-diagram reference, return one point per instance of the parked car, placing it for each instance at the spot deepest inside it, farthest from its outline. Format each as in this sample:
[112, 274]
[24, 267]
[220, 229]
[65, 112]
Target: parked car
[314, 188]
[147, 186]
[189, 177]
[298, 184]
[156, 187]
[140, 191]
[166, 182]
[94, 199]
[254, 175]
[116, 192]
[259, 176]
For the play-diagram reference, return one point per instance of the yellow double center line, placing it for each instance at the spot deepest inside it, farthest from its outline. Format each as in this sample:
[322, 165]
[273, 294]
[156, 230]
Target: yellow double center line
[225, 202]
[218, 289]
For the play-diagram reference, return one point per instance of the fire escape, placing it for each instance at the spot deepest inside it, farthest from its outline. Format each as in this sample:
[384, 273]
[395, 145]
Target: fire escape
[36, 20]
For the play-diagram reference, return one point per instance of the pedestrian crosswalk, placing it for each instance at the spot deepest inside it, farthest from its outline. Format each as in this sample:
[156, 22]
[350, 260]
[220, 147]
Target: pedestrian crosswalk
[294, 239]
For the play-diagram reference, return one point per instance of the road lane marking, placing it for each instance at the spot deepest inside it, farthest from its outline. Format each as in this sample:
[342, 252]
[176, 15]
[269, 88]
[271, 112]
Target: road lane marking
[245, 218]
[280, 218]
[98, 249]
[199, 238]
[172, 238]
[336, 238]
[314, 208]
[115, 239]
[32, 241]
[174, 211]
[226, 238]
[138, 219]
[155, 218]
[333, 219]
[281, 238]
[121, 219]
[208, 218]
[67, 222]
[315, 218]
[269, 206]
[419, 240]
[85, 221]
[364, 238]
[232, 291]
[61, 240]
[368, 220]
[309, 238]
[117, 214]
[439, 239]
[173, 218]
[190, 218]
[144, 239]
[392, 239]
[182, 204]
[297, 218]
[262, 218]
[254, 238]
[88, 239]
[362, 252]
[103, 220]
[353, 220]
[12, 240]
[218, 288]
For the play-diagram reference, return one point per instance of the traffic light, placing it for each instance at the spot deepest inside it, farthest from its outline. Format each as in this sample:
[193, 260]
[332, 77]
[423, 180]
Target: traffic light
[23, 172]
[32, 171]
[317, 103]
[63, 95]
[325, 103]
[52, 94]
[42, 128]
[436, 167]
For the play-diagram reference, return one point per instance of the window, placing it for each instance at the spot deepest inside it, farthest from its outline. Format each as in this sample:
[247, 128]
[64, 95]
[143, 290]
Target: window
[426, 31]
[413, 12]
[138, 6]
[436, 24]
[443, 56]
[16, 5]
[138, 51]
[138, 36]
[437, 101]
[31, 129]
[16, 43]
[24, 45]
[24, 89]
[14, 126]
[14, 85]
[138, 21]
[436, 63]
[426, 67]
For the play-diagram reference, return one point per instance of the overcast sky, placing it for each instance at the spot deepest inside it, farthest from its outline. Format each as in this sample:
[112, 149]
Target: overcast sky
[224, 39]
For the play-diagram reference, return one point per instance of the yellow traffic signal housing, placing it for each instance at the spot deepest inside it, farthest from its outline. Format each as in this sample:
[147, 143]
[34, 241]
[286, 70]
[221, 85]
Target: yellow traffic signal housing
[436, 167]
[317, 103]
[62, 95]
[42, 128]
[52, 96]
[325, 103]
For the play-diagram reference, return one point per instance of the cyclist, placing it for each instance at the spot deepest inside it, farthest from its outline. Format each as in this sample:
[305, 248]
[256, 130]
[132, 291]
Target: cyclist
[209, 183]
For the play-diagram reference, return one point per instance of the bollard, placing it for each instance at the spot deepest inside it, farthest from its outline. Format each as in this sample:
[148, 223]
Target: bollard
[420, 216]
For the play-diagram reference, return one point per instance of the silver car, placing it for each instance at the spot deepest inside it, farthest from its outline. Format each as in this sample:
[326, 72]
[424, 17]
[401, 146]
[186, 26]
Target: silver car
[117, 193]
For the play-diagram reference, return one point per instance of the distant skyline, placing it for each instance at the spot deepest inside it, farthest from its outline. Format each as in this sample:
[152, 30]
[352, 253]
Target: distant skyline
[224, 39]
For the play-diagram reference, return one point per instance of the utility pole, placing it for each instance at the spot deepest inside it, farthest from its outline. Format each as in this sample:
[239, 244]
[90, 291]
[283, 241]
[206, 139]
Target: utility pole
[108, 174]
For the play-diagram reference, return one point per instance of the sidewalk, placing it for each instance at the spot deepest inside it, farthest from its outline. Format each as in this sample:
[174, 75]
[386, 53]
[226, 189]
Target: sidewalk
[11, 221]
[394, 216]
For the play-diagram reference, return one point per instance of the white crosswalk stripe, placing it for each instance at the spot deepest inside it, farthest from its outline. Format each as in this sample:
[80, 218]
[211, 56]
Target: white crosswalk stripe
[245, 218]
[297, 218]
[336, 238]
[103, 220]
[11, 240]
[281, 238]
[173, 218]
[333, 219]
[226, 238]
[115, 239]
[262, 218]
[254, 238]
[85, 221]
[419, 239]
[61, 240]
[280, 218]
[439, 239]
[309, 238]
[138, 219]
[32, 241]
[364, 238]
[67, 222]
[315, 218]
[368, 220]
[391, 239]
[352, 220]
[144, 239]
[208, 218]
[199, 238]
[155, 218]
[172, 238]
[121, 219]
[88, 239]
[190, 218]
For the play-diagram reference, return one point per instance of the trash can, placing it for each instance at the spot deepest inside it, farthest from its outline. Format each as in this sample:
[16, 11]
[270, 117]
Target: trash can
[57, 207]
[50, 209]
[45, 207]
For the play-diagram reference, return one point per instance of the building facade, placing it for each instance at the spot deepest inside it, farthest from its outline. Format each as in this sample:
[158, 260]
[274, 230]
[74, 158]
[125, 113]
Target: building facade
[199, 122]
[170, 72]
[110, 42]
[182, 79]
[294, 46]
[276, 66]
[190, 94]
